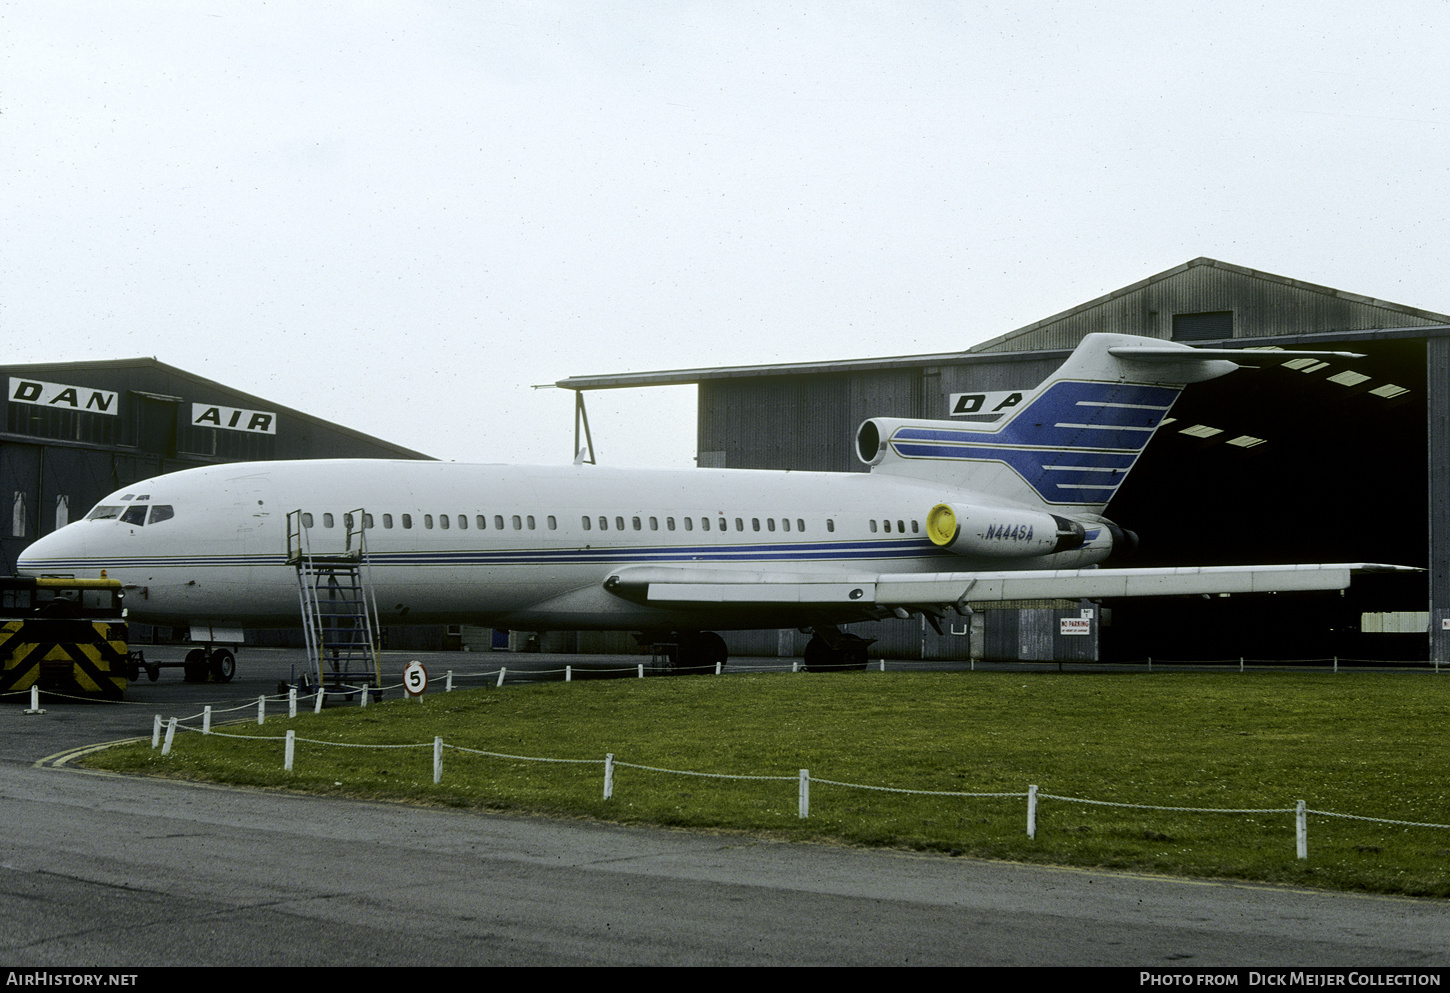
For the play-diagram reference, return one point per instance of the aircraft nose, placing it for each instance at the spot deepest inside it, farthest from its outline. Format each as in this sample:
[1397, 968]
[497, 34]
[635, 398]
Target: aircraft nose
[62, 552]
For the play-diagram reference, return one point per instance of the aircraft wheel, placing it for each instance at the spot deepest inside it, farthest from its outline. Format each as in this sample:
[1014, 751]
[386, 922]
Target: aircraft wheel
[701, 650]
[153, 672]
[223, 666]
[819, 656]
[194, 668]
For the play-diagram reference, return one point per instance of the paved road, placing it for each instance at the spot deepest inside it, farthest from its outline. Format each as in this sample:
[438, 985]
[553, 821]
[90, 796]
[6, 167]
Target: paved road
[100, 870]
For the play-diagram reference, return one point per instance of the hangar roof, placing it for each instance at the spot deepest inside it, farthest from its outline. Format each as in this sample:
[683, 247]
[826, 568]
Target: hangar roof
[1277, 310]
[164, 371]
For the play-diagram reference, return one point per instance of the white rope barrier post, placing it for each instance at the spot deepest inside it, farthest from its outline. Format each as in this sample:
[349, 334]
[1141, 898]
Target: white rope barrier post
[35, 699]
[170, 736]
[156, 731]
[719, 667]
[501, 671]
[367, 692]
[292, 702]
[317, 704]
[261, 708]
[290, 751]
[1301, 830]
[641, 670]
[448, 681]
[206, 719]
[437, 761]
[805, 794]
[1032, 812]
[609, 775]
[568, 673]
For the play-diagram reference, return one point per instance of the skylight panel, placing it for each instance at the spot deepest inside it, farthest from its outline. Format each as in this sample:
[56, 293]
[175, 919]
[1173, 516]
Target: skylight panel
[1389, 391]
[1348, 378]
[1201, 431]
[1246, 441]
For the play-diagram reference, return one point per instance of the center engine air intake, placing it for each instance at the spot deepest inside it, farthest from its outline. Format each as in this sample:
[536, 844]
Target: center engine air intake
[997, 532]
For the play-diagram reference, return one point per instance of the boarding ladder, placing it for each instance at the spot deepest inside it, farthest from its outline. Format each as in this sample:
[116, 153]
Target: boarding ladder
[339, 611]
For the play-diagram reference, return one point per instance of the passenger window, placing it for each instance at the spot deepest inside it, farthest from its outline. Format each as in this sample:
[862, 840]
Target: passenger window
[619, 524]
[498, 522]
[407, 520]
[387, 520]
[327, 520]
[428, 521]
[482, 521]
[636, 524]
[161, 512]
[704, 524]
[531, 522]
[885, 524]
[785, 523]
[669, 523]
[873, 527]
[463, 522]
[689, 524]
[654, 523]
[800, 525]
[347, 521]
[603, 523]
[135, 515]
[443, 521]
[724, 524]
[914, 528]
[585, 519]
[367, 520]
[518, 524]
[553, 524]
[769, 524]
[830, 525]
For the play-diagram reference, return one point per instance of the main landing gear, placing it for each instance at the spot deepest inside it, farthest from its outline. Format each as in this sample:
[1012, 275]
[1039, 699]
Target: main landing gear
[833, 650]
[693, 651]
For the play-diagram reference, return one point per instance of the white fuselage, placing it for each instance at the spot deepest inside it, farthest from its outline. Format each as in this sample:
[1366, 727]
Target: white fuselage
[510, 546]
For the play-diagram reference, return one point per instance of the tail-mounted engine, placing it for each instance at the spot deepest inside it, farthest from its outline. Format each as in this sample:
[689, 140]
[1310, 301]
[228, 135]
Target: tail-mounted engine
[996, 532]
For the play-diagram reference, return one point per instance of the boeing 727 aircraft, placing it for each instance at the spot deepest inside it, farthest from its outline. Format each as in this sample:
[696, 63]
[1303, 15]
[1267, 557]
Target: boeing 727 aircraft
[951, 513]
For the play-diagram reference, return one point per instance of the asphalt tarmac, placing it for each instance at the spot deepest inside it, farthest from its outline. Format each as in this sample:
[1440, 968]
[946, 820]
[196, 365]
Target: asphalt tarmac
[99, 870]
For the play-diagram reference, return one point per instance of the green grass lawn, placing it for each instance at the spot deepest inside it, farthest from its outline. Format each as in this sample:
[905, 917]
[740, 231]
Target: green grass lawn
[1369, 744]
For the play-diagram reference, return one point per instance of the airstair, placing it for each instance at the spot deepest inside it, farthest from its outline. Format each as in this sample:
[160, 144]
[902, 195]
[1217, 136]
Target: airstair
[339, 612]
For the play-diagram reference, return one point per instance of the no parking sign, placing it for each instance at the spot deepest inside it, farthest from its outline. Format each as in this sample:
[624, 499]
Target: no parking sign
[415, 678]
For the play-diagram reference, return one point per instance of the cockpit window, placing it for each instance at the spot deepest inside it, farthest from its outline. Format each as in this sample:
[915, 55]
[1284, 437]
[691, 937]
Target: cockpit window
[161, 512]
[105, 513]
[134, 515]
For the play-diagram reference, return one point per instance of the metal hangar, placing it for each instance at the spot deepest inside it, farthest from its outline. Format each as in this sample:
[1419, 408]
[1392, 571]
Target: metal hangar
[1298, 461]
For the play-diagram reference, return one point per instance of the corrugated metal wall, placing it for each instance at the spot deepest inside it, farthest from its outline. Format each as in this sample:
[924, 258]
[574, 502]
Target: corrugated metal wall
[1263, 306]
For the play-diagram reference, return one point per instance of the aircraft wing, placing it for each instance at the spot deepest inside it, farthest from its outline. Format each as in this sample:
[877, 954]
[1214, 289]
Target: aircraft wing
[667, 586]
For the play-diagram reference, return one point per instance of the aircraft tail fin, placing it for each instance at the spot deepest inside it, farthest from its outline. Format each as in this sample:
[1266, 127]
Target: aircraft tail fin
[1071, 442]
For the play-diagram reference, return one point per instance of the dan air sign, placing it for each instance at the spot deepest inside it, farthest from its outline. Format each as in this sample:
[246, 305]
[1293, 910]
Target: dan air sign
[985, 403]
[61, 396]
[233, 419]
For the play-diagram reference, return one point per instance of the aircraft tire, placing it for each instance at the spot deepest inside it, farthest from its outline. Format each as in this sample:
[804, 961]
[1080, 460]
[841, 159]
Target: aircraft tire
[223, 666]
[701, 650]
[194, 669]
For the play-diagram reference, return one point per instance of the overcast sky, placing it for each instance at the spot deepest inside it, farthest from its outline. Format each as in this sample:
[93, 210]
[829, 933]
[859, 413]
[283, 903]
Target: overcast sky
[401, 216]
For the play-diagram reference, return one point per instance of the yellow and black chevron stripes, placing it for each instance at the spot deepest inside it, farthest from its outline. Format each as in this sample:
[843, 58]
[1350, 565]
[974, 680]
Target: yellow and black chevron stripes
[63, 655]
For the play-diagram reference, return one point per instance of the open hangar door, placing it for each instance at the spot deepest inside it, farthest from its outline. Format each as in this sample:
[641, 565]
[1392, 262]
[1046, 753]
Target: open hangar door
[1297, 461]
